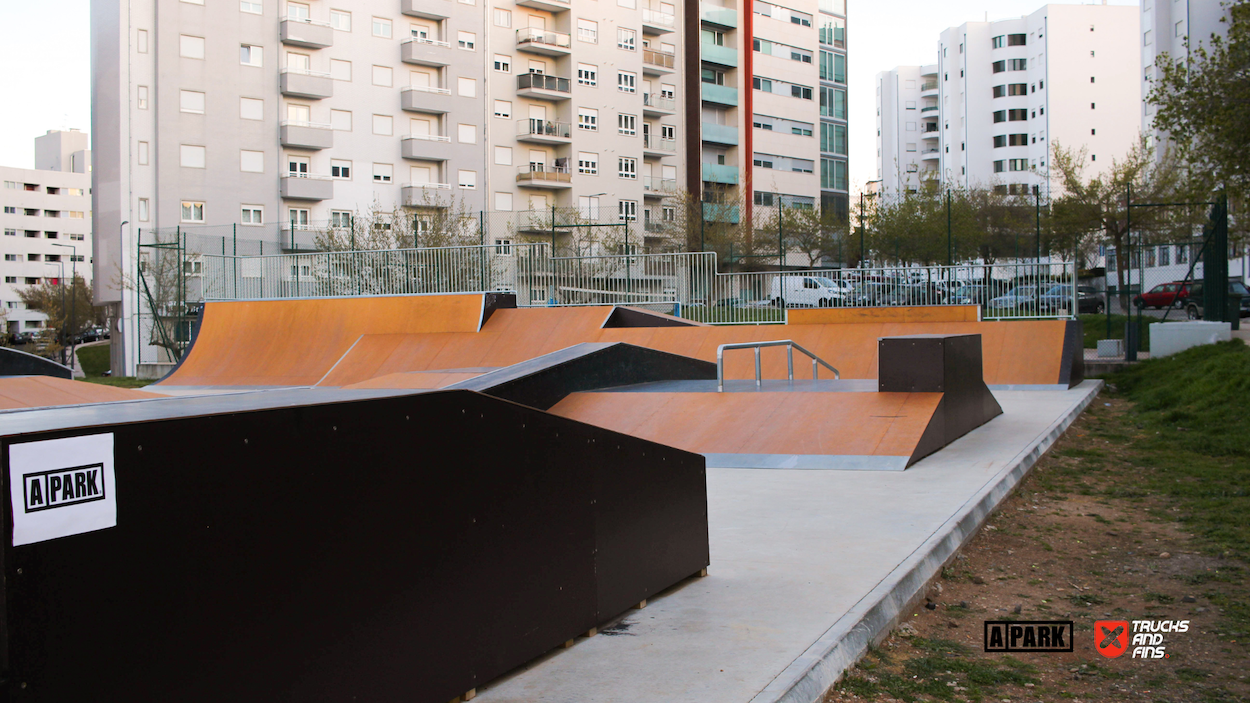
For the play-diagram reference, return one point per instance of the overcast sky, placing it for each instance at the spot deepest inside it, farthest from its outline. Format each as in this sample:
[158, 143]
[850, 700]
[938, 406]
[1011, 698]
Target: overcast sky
[46, 83]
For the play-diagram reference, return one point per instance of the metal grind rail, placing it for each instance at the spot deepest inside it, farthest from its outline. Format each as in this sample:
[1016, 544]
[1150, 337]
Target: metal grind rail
[757, 346]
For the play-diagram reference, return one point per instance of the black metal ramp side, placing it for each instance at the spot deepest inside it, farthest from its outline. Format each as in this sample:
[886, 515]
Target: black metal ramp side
[544, 381]
[635, 317]
[15, 362]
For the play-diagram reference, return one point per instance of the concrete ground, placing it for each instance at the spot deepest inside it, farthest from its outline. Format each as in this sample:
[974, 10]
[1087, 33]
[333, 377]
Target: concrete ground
[807, 567]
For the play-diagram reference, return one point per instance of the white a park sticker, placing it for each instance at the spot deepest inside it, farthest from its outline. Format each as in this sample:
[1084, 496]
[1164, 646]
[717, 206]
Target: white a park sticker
[61, 487]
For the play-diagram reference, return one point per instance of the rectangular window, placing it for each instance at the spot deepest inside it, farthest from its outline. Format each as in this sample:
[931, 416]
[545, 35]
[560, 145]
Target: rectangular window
[466, 87]
[503, 202]
[381, 28]
[340, 169]
[1016, 89]
[143, 209]
[467, 179]
[626, 82]
[252, 215]
[1018, 65]
[626, 39]
[627, 168]
[503, 63]
[1018, 164]
[588, 163]
[627, 210]
[192, 156]
[341, 120]
[383, 125]
[382, 173]
[503, 156]
[466, 134]
[143, 153]
[341, 20]
[997, 42]
[190, 47]
[141, 41]
[251, 161]
[250, 6]
[251, 55]
[141, 94]
[503, 108]
[466, 40]
[999, 66]
[1000, 116]
[503, 18]
[627, 125]
[587, 74]
[251, 109]
[192, 211]
[588, 31]
[383, 76]
[340, 70]
[1016, 40]
[588, 119]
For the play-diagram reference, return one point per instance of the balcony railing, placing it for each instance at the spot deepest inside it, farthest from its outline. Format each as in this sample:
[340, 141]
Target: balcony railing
[930, 108]
[542, 81]
[429, 186]
[429, 89]
[531, 35]
[658, 19]
[427, 41]
[654, 184]
[544, 128]
[930, 85]
[430, 137]
[658, 58]
[543, 173]
[658, 102]
[655, 143]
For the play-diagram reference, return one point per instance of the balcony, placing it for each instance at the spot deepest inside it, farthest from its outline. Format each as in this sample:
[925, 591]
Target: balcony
[656, 22]
[544, 176]
[307, 187]
[930, 109]
[424, 194]
[306, 135]
[930, 154]
[719, 212]
[426, 147]
[726, 17]
[537, 41]
[546, 5]
[306, 84]
[543, 132]
[429, 9]
[541, 86]
[656, 63]
[306, 33]
[655, 147]
[435, 101]
[657, 105]
[930, 133]
[719, 94]
[720, 173]
[425, 52]
[654, 187]
[720, 55]
[720, 133]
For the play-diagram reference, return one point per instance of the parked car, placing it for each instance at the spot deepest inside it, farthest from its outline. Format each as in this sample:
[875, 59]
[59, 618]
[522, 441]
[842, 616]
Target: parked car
[1059, 296]
[970, 294]
[1020, 296]
[1193, 308]
[18, 339]
[808, 291]
[1164, 295]
[91, 334]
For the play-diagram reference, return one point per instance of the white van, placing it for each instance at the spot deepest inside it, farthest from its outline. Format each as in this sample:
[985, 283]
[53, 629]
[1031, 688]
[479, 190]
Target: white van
[809, 291]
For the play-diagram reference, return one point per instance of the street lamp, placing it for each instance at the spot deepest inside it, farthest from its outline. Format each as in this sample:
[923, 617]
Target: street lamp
[73, 300]
[61, 280]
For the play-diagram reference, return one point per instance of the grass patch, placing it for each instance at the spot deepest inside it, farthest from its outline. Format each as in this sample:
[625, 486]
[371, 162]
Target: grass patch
[119, 381]
[94, 360]
[1095, 328]
[943, 671]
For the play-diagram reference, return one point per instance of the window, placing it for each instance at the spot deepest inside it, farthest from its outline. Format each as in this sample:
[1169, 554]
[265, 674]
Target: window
[192, 156]
[251, 55]
[251, 109]
[143, 153]
[466, 40]
[1016, 40]
[626, 82]
[802, 91]
[382, 173]
[627, 210]
[141, 95]
[466, 134]
[503, 18]
[588, 163]
[383, 76]
[297, 166]
[297, 11]
[340, 169]
[10, 232]
[466, 87]
[251, 161]
[587, 74]
[141, 41]
[250, 6]
[341, 20]
[999, 66]
[1018, 65]
[191, 101]
[1017, 115]
[467, 179]
[503, 156]
[33, 257]
[298, 62]
[192, 211]
[627, 168]
[503, 108]
[383, 125]
[340, 70]
[997, 42]
[668, 131]
[298, 113]
[1000, 166]
[588, 119]
[381, 28]
[588, 31]
[10, 279]
[190, 47]
[626, 39]
[1017, 164]
[143, 209]
[627, 125]
[341, 120]
[252, 215]
[298, 217]
[503, 202]
[503, 63]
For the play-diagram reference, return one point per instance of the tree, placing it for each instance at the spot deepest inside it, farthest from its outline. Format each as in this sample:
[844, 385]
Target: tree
[1203, 102]
[67, 306]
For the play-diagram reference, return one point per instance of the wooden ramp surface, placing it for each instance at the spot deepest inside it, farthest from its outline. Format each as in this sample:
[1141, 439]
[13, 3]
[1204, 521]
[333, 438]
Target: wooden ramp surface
[18, 392]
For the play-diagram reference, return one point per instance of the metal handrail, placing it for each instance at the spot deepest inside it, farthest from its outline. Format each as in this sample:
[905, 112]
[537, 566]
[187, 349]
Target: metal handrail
[790, 347]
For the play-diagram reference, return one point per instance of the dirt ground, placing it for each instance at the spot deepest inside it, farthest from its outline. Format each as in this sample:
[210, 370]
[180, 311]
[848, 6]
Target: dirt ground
[1077, 541]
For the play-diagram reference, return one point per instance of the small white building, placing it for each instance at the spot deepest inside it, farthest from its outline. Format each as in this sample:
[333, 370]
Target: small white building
[908, 134]
[46, 223]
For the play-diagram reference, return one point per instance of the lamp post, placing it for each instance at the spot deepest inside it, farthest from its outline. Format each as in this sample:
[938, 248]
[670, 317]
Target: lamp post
[61, 280]
[73, 300]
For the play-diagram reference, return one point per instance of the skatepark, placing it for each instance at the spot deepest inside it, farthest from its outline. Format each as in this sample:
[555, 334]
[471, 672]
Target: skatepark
[449, 496]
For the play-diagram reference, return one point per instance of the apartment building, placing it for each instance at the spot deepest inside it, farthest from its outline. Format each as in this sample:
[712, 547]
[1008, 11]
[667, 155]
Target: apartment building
[1173, 27]
[46, 223]
[267, 117]
[782, 139]
[1006, 91]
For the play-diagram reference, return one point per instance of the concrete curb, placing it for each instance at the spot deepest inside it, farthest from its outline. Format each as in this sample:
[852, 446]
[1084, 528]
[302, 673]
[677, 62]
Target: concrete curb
[809, 677]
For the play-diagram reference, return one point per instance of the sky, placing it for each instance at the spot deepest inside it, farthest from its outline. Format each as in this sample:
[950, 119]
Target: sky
[52, 79]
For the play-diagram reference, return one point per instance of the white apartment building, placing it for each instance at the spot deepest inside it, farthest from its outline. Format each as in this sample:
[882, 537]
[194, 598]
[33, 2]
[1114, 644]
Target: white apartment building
[1006, 91]
[1166, 27]
[46, 223]
[259, 118]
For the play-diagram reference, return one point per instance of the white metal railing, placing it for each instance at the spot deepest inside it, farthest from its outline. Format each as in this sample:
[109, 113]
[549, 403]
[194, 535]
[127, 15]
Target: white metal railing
[657, 18]
[790, 346]
[429, 137]
[428, 89]
[435, 186]
[531, 35]
[305, 72]
[309, 176]
[301, 20]
[427, 41]
[303, 123]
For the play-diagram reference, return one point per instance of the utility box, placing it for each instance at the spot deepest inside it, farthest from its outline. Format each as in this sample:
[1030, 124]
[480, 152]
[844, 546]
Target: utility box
[1110, 348]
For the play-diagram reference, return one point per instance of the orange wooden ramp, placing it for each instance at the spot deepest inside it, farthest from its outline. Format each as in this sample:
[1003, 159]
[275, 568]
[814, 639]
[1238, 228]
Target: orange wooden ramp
[21, 392]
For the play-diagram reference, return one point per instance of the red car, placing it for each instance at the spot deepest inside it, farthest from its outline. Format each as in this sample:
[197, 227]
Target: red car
[1164, 295]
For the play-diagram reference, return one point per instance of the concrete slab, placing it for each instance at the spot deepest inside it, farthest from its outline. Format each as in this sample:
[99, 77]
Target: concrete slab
[808, 567]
